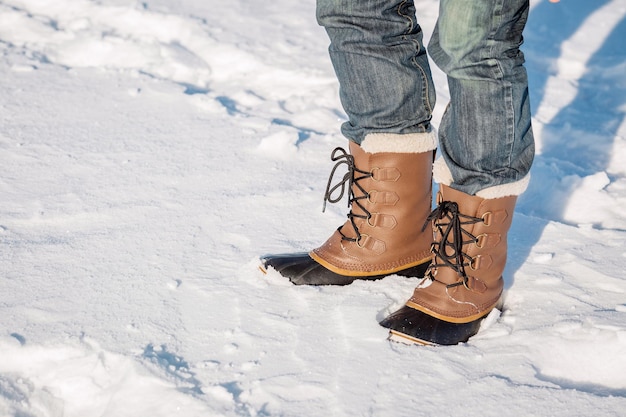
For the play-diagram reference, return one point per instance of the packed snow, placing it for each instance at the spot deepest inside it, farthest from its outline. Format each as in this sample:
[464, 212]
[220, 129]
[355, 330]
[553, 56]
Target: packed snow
[151, 151]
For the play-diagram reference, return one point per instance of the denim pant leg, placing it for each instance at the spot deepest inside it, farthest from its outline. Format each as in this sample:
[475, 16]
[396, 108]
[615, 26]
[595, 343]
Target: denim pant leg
[485, 136]
[382, 67]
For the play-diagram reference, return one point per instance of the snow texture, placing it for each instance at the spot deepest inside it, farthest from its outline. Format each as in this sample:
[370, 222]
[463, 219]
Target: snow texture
[151, 151]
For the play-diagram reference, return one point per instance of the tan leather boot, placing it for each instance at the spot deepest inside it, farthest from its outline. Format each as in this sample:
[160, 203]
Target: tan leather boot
[390, 199]
[464, 282]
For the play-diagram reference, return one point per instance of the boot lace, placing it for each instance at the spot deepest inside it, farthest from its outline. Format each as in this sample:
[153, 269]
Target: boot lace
[351, 178]
[449, 223]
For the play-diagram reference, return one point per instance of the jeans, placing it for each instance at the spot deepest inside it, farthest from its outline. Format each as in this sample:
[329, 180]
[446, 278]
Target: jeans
[377, 51]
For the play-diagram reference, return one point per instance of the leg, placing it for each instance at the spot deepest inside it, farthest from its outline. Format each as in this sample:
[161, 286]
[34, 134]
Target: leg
[387, 92]
[381, 64]
[487, 149]
[485, 135]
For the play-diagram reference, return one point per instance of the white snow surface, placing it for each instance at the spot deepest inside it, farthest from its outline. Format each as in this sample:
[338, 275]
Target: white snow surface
[151, 151]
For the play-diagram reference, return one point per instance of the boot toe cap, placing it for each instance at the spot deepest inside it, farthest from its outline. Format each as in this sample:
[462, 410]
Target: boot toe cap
[418, 327]
[301, 269]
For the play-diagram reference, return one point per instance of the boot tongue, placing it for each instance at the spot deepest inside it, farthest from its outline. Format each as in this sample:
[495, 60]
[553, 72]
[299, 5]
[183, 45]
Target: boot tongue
[468, 204]
[359, 181]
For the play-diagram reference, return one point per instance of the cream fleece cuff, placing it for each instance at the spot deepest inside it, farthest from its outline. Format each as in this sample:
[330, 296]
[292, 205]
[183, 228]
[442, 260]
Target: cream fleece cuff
[442, 175]
[400, 143]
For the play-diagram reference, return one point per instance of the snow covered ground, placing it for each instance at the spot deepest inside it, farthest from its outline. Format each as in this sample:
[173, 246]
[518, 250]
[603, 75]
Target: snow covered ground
[151, 151]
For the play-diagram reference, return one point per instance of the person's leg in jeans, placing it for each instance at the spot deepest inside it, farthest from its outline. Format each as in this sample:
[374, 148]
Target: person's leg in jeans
[387, 92]
[487, 148]
[381, 64]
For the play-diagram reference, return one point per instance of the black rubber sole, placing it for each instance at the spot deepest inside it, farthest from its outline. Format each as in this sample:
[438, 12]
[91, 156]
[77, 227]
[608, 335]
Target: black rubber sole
[301, 269]
[409, 325]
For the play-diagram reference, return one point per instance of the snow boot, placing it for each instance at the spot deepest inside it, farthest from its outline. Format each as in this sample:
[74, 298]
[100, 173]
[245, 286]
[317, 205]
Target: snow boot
[464, 282]
[389, 181]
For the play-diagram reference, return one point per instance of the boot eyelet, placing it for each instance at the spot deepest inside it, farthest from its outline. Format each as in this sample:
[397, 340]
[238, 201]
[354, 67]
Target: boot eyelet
[486, 218]
[371, 195]
[372, 173]
[480, 240]
[360, 238]
[475, 263]
[369, 217]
